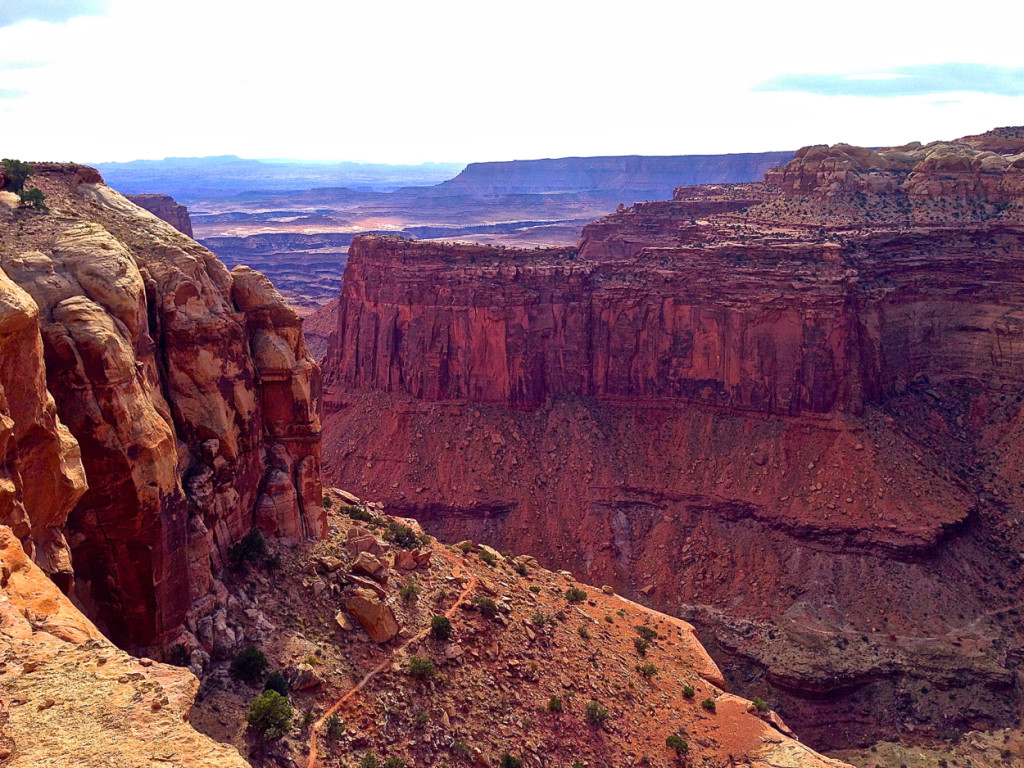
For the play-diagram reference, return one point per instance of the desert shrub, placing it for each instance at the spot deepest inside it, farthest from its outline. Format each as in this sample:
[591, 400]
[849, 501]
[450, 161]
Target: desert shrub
[709, 705]
[461, 748]
[541, 619]
[647, 633]
[270, 715]
[487, 607]
[575, 595]
[357, 513]
[555, 704]
[507, 761]
[276, 682]
[760, 704]
[519, 568]
[535, 589]
[421, 668]
[369, 760]
[17, 174]
[688, 692]
[488, 557]
[465, 546]
[410, 591]
[178, 656]
[401, 535]
[678, 743]
[641, 645]
[34, 198]
[441, 628]
[251, 549]
[648, 670]
[328, 502]
[335, 728]
[248, 665]
[307, 719]
[596, 714]
[395, 762]
[584, 633]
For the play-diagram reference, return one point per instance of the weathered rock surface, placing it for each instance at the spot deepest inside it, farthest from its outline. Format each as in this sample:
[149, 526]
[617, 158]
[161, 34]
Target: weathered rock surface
[787, 411]
[188, 389]
[70, 698]
[167, 208]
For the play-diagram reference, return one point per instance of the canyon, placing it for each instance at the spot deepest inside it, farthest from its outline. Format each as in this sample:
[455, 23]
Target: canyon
[786, 411]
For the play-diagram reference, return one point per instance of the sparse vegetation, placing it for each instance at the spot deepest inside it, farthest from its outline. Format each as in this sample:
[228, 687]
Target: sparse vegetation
[641, 645]
[648, 670]
[488, 557]
[465, 546]
[17, 174]
[250, 550]
[688, 692]
[760, 704]
[33, 198]
[178, 656]
[421, 668]
[508, 761]
[555, 704]
[410, 591]
[575, 595]
[487, 607]
[709, 705]
[519, 568]
[677, 743]
[401, 535]
[596, 714]
[335, 728]
[395, 762]
[647, 633]
[461, 748]
[584, 633]
[369, 760]
[535, 589]
[270, 715]
[328, 502]
[358, 513]
[441, 628]
[248, 665]
[276, 682]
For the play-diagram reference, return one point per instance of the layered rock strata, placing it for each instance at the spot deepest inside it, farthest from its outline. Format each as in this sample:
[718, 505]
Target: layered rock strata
[191, 396]
[787, 411]
[166, 208]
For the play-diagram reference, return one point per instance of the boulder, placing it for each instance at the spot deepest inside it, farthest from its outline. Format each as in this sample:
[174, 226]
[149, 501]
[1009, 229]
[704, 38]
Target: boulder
[376, 616]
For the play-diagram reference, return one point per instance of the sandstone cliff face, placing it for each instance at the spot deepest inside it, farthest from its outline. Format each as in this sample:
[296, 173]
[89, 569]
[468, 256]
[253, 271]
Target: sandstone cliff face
[167, 208]
[785, 412]
[71, 698]
[189, 391]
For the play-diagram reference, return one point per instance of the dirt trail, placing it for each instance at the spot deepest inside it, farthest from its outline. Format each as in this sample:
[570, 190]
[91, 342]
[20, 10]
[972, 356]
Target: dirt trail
[458, 571]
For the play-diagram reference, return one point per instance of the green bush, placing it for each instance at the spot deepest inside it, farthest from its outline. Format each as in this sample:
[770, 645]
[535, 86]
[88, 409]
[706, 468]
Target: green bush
[555, 704]
[519, 568]
[421, 668]
[410, 592]
[507, 761]
[395, 762]
[678, 743]
[596, 714]
[276, 682]
[535, 589]
[487, 607]
[34, 198]
[248, 665]
[401, 535]
[647, 633]
[335, 728]
[709, 705]
[575, 595]
[641, 645]
[357, 513]
[461, 748]
[688, 692]
[17, 174]
[648, 670]
[441, 628]
[465, 546]
[251, 549]
[369, 760]
[584, 633]
[488, 557]
[760, 704]
[328, 502]
[270, 715]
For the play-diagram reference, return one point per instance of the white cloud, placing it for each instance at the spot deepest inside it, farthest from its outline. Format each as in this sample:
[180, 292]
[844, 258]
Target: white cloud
[461, 81]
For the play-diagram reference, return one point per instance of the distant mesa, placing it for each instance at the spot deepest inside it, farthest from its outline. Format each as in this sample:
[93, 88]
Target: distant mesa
[167, 208]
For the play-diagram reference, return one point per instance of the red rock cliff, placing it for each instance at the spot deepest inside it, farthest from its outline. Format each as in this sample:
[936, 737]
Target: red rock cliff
[787, 411]
[189, 391]
[167, 208]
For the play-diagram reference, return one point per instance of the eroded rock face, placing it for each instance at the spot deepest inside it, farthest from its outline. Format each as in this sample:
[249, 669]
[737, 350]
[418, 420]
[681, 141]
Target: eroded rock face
[786, 411]
[72, 698]
[166, 208]
[190, 392]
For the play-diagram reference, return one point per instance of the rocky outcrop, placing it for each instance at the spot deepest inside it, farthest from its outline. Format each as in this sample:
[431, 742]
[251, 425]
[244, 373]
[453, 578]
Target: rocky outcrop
[786, 411]
[166, 208]
[189, 391]
[72, 698]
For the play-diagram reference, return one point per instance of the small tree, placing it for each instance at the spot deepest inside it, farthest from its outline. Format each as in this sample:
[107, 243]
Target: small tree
[248, 665]
[335, 728]
[277, 682]
[441, 628]
[270, 715]
[17, 174]
[33, 198]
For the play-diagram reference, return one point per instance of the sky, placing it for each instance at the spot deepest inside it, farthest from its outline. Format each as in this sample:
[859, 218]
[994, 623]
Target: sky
[407, 82]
